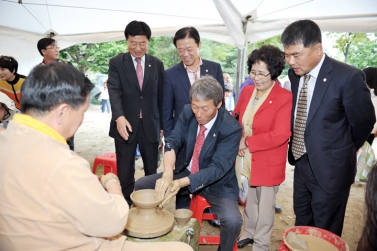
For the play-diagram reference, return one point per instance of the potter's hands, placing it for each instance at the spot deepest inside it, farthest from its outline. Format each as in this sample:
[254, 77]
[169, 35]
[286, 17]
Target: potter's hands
[174, 188]
[242, 148]
[106, 179]
[163, 184]
[122, 126]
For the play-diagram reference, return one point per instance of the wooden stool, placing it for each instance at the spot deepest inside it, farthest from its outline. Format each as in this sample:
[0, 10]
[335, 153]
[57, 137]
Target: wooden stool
[197, 206]
[109, 162]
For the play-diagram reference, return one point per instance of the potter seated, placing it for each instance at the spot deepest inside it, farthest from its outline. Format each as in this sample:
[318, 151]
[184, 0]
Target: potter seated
[49, 198]
[211, 138]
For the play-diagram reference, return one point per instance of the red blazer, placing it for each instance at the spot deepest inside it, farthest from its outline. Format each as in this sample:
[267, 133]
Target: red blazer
[271, 131]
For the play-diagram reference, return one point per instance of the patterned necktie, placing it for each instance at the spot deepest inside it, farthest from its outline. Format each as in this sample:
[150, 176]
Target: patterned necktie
[198, 146]
[298, 142]
[139, 72]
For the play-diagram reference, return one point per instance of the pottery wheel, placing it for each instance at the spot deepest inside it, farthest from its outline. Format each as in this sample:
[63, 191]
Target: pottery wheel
[159, 224]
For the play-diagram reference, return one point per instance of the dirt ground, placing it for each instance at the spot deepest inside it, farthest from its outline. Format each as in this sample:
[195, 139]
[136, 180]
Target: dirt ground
[92, 139]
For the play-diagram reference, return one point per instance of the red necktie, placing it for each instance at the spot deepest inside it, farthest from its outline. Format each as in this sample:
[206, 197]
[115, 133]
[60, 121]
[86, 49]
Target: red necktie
[198, 146]
[139, 72]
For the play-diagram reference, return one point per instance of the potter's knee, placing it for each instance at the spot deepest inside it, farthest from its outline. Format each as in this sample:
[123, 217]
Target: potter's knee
[233, 222]
[183, 247]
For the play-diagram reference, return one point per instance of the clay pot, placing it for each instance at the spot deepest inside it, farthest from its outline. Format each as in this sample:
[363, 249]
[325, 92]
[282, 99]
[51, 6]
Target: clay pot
[147, 220]
[145, 199]
[182, 216]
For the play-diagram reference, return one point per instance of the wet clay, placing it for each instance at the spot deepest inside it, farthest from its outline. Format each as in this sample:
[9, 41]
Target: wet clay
[317, 244]
[146, 220]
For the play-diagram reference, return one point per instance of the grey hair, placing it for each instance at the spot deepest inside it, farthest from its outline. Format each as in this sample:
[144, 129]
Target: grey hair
[206, 88]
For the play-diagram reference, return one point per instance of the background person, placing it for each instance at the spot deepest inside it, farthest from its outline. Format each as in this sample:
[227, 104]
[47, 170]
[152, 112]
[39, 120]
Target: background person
[49, 50]
[264, 113]
[368, 240]
[371, 80]
[104, 96]
[328, 127]
[10, 81]
[136, 83]
[229, 102]
[58, 179]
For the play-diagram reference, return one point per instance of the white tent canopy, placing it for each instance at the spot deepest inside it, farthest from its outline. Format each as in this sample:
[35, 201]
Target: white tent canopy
[236, 22]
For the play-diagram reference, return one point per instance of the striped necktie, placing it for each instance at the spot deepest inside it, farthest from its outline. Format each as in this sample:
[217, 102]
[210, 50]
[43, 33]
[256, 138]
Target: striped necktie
[298, 140]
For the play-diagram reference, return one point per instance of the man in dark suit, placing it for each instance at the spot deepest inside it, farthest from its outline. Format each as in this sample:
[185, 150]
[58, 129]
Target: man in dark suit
[332, 117]
[178, 81]
[135, 85]
[215, 177]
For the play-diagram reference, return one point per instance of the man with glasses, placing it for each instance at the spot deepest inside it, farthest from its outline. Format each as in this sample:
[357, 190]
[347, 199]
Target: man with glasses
[49, 50]
[10, 81]
[135, 85]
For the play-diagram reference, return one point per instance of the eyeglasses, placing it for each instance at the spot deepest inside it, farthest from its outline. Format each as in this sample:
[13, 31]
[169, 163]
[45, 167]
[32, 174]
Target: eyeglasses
[253, 74]
[53, 48]
[6, 58]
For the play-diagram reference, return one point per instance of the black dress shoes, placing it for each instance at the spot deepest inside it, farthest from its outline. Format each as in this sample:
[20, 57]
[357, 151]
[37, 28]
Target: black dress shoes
[244, 242]
[214, 223]
[278, 209]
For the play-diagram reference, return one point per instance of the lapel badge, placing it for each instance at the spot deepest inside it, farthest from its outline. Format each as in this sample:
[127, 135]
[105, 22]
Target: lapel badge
[149, 65]
[324, 80]
[206, 70]
[214, 135]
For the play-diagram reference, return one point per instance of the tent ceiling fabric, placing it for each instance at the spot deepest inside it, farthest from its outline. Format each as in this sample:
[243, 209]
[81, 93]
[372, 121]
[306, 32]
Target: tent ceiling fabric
[73, 21]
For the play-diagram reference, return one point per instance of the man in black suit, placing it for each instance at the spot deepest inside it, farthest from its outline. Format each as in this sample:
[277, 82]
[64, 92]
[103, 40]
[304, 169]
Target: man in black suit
[215, 177]
[338, 118]
[178, 81]
[135, 84]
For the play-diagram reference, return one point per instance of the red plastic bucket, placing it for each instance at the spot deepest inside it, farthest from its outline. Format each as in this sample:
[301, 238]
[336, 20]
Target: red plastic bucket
[336, 241]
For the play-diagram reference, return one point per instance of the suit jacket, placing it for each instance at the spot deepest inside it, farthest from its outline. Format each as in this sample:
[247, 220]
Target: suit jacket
[271, 131]
[341, 117]
[176, 91]
[127, 99]
[216, 161]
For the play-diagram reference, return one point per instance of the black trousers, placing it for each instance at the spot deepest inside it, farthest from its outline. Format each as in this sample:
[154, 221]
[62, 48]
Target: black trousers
[225, 209]
[125, 154]
[312, 205]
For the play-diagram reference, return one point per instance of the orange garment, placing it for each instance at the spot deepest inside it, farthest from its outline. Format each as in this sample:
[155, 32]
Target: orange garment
[13, 89]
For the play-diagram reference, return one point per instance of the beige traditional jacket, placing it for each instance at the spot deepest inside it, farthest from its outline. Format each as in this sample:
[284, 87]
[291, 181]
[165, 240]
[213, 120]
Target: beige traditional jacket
[50, 200]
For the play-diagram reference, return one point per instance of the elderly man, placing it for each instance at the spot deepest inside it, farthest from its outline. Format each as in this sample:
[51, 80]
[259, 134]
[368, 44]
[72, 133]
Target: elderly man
[211, 137]
[178, 81]
[332, 117]
[49, 198]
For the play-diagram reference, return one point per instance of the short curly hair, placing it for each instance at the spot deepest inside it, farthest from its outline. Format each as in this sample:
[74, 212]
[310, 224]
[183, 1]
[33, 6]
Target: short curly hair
[272, 56]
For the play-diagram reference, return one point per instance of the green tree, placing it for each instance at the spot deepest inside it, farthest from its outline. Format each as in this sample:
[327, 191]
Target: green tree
[358, 49]
[93, 57]
[164, 49]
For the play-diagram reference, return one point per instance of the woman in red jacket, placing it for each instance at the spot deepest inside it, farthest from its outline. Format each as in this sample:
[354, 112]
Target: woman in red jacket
[264, 113]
